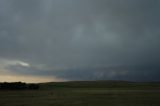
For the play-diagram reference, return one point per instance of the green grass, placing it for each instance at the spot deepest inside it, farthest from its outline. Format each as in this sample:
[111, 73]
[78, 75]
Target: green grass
[98, 93]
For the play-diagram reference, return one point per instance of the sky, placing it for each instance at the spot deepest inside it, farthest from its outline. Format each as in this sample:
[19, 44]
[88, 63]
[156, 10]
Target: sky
[64, 40]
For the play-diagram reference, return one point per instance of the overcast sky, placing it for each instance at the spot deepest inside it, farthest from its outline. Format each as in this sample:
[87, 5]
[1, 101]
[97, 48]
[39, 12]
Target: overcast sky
[59, 40]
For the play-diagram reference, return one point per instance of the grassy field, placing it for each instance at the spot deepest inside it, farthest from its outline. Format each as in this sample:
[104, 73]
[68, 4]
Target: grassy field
[95, 93]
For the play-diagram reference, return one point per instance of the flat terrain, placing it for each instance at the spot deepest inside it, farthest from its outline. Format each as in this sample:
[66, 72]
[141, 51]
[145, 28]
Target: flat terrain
[94, 93]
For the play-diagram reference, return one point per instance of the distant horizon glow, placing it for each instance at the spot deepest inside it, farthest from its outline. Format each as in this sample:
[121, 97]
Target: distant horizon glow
[28, 79]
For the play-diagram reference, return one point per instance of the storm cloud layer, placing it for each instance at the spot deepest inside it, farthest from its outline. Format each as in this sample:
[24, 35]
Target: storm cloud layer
[80, 39]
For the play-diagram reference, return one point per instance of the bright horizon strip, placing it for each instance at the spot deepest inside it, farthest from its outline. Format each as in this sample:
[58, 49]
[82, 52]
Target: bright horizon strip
[28, 79]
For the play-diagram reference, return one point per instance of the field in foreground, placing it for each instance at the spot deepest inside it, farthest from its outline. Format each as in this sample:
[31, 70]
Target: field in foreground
[94, 93]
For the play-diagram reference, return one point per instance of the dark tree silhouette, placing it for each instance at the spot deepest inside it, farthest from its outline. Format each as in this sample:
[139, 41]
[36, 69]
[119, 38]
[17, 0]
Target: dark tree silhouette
[18, 86]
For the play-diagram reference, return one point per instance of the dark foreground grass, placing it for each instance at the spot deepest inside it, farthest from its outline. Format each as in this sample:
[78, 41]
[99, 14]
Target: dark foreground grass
[82, 96]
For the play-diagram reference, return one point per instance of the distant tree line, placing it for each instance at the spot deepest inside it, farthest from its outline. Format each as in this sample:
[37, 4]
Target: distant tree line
[18, 86]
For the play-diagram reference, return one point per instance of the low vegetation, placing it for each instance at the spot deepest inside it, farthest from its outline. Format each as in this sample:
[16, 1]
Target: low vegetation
[85, 93]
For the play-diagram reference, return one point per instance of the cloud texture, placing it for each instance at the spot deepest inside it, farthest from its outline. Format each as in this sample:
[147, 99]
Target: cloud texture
[81, 39]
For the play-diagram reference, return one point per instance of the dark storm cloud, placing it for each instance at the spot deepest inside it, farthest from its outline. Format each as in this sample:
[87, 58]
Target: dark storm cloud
[147, 72]
[75, 39]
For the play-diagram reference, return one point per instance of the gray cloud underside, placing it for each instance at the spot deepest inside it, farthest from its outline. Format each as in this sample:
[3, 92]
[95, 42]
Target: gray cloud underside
[131, 73]
[75, 39]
